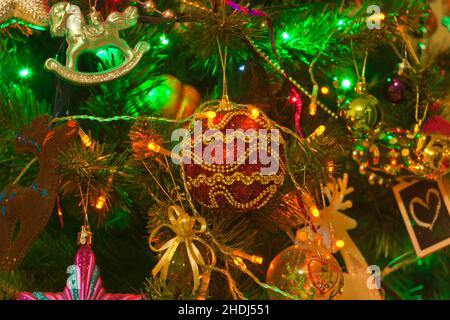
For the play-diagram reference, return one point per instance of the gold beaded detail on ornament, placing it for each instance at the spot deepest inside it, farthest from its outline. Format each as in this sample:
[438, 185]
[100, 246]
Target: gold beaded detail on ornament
[213, 193]
[260, 119]
[232, 166]
[236, 135]
[230, 115]
[219, 181]
[235, 177]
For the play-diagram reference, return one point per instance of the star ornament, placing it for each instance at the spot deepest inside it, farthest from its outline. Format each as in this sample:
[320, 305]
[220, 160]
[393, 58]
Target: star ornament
[32, 13]
[84, 282]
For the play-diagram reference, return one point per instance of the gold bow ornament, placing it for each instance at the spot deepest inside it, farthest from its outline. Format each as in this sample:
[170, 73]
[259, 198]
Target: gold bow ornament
[187, 230]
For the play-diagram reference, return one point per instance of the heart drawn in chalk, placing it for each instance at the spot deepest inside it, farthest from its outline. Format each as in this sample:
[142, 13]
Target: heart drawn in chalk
[426, 204]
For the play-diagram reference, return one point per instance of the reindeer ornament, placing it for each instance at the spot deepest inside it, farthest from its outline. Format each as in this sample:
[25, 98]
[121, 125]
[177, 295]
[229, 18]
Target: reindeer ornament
[24, 211]
[333, 227]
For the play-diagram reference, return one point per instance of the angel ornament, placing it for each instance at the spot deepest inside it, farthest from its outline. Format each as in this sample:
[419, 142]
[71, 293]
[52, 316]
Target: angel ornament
[67, 20]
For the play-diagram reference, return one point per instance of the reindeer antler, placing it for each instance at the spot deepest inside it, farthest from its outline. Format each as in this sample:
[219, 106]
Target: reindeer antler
[336, 192]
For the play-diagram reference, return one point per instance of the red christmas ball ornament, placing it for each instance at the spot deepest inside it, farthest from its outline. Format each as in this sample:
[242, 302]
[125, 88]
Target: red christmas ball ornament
[234, 158]
[396, 88]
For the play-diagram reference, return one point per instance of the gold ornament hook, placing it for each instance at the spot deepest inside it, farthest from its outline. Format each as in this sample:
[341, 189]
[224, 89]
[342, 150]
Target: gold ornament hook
[225, 103]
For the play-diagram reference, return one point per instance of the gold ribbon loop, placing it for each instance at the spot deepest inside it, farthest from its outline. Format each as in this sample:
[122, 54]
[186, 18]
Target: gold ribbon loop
[187, 229]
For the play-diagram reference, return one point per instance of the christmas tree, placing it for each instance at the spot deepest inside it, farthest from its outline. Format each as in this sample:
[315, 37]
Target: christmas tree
[213, 149]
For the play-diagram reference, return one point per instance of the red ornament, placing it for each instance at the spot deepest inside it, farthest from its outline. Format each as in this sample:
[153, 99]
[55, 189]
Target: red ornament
[397, 88]
[437, 124]
[236, 158]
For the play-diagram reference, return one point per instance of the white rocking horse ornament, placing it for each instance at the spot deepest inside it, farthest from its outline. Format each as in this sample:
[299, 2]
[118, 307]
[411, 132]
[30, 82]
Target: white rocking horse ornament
[67, 20]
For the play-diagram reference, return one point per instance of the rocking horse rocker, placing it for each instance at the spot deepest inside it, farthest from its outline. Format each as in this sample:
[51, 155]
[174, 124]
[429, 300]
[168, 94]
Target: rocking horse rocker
[67, 20]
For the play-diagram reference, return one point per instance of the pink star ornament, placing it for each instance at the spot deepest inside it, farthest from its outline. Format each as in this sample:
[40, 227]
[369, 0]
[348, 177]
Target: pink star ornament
[84, 283]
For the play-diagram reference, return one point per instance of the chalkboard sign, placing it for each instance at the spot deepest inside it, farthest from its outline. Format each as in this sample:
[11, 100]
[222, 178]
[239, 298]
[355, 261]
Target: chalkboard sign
[425, 208]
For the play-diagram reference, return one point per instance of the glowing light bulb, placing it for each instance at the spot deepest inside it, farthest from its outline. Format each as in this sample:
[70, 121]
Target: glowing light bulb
[100, 202]
[163, 39]
[255, 113]
[153, 146]
[302, 236]
[257, 260]
[239, 262]
[330, 166]
[324, 90]
[210, 115]
[285, 35]
[320, 130]
[24, 73]
[315, 212]
[87, 142]
[346, 83]
[312, 109]
[340, 243]
[168, 14]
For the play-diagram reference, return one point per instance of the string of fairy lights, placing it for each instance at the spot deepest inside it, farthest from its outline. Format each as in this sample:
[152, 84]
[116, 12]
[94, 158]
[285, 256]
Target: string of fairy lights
[26, 73]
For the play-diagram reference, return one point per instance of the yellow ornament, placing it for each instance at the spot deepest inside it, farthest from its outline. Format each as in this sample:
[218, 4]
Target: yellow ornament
[182, 100]
[433, 153]
[361, 111]
[33, 13]
[67, 20]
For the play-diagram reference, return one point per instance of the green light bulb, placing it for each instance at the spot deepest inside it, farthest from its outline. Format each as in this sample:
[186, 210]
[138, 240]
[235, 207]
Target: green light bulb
[285, 35]
[164, 40]
[24, 73]
[346, 83]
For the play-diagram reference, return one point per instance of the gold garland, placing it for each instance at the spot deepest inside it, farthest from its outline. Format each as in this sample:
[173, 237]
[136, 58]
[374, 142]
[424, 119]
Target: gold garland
[235, 177]
[213, 193]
